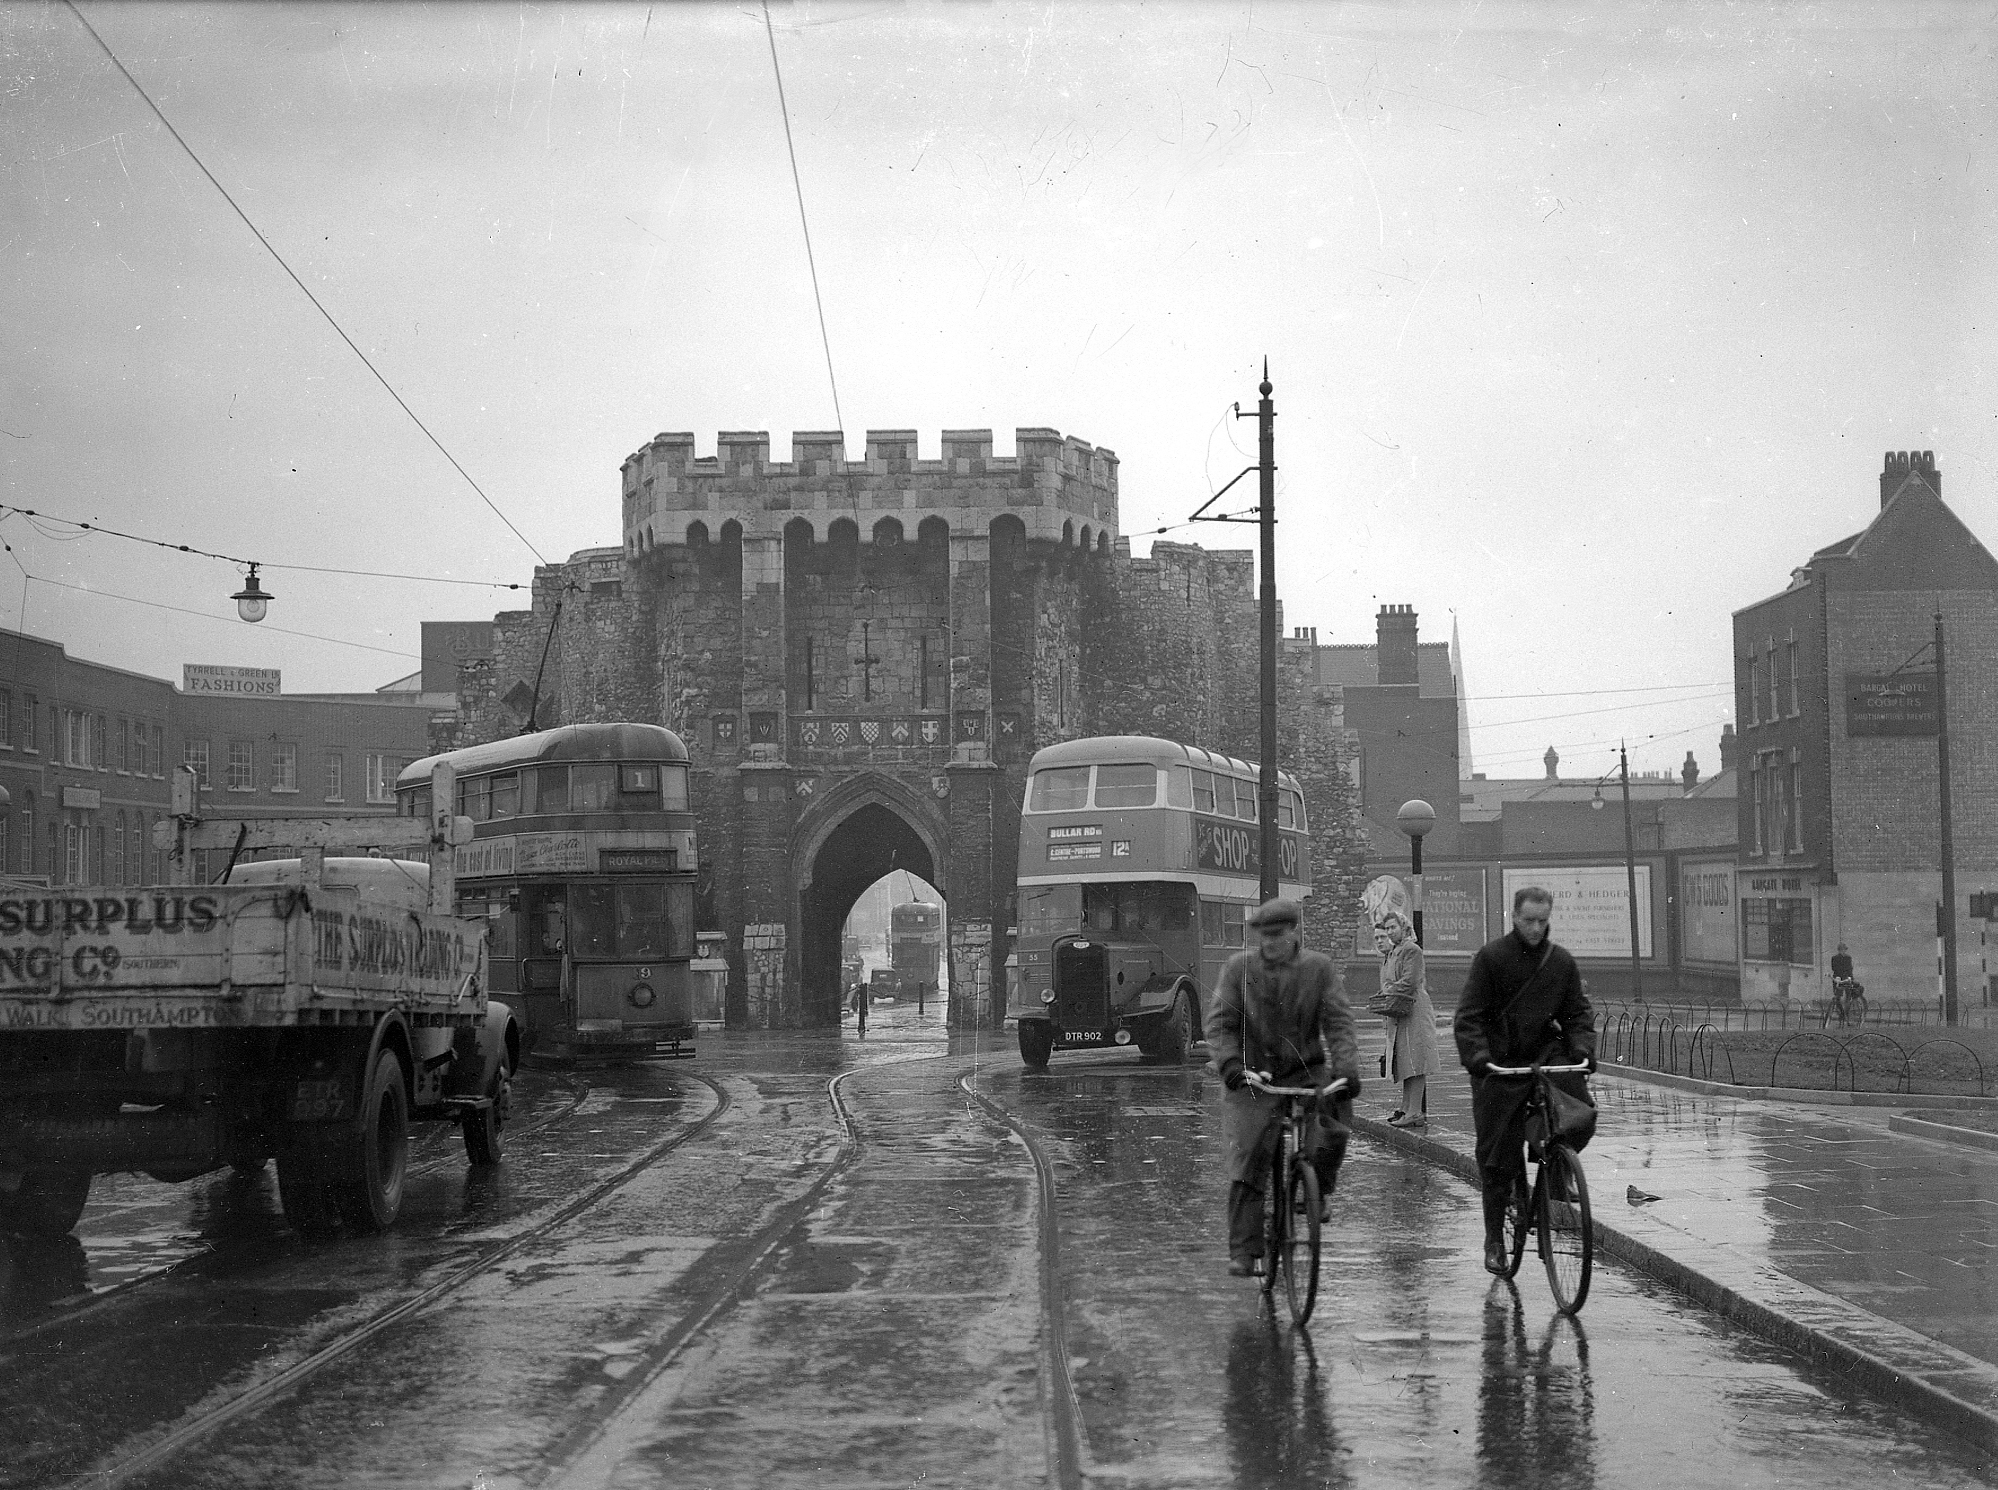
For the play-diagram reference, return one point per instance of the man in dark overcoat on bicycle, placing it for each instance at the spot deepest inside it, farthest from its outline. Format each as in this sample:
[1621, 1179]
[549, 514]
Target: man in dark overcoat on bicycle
[1277, 1010]
[1523, 1004]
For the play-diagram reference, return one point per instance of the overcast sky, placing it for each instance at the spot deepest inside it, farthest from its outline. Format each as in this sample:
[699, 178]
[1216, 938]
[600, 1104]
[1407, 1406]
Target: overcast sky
[1587, 322]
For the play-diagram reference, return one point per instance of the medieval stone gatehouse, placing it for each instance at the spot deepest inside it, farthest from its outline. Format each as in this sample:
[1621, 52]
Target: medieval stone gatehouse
[863, 655]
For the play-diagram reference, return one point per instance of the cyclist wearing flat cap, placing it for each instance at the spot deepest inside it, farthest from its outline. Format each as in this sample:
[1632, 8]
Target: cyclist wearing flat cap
[1279, 1010]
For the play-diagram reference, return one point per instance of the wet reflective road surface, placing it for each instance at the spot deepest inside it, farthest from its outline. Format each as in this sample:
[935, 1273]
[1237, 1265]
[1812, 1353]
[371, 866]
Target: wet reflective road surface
[812, 1260]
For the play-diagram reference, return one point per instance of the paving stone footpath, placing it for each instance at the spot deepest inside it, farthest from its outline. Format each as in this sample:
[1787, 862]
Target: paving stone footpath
[1843, 1230]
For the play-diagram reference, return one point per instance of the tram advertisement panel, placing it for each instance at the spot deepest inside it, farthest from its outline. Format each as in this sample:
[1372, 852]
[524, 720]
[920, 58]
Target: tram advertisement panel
[1230, 846]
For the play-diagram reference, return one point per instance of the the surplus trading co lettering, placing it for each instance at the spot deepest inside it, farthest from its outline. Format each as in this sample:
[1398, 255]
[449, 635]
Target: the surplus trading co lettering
[50, 916]
[370, 944]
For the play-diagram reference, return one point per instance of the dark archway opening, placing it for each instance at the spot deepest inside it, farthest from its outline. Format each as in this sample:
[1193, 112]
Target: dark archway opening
[897, 941]
[872, 842]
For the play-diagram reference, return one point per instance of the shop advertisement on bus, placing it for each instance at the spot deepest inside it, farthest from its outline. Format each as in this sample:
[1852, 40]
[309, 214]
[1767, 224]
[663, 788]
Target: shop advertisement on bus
[1230, 846]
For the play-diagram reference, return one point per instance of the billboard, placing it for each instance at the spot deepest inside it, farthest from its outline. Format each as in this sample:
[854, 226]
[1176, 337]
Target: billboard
[231, 682]
[1894, 704]
[1453, 911]
[1591, 906]
[1454, 918]
[1707, 912]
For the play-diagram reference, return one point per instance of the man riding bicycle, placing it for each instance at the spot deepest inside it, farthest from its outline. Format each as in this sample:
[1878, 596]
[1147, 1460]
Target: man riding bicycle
[1847, 991]
[1523, 1004]
[1279, 1010]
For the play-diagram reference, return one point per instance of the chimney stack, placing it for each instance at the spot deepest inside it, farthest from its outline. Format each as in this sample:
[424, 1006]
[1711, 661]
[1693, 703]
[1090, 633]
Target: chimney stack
[1690, 772]
[1553, 761]
[1900, 464]
[1727, 747]
[1394, 649]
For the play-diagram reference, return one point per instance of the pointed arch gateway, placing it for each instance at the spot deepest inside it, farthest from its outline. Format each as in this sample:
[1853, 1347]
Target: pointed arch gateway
[862, 829]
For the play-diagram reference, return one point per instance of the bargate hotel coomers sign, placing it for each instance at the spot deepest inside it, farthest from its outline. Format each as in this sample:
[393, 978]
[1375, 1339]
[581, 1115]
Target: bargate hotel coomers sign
[236, 682]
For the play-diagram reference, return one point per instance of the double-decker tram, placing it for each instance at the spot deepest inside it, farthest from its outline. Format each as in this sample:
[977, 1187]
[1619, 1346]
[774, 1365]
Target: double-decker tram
[915, 939]
[582, 861]
[1139, 859]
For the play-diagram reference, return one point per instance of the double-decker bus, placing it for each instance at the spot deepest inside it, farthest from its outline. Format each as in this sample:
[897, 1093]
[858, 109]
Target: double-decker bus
[1139, 859]
[915, 938]
[582, 861]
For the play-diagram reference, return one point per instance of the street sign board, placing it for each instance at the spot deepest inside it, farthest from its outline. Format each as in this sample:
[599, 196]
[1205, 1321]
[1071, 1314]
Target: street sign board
[234, 682]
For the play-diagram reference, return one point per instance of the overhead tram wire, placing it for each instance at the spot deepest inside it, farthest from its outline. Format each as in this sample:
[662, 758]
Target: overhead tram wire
[84, 22]
[798, 185]
[338, 641]
[85, 529]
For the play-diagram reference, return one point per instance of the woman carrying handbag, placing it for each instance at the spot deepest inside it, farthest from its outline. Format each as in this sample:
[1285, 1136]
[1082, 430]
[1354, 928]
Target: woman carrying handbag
[1403, 1002]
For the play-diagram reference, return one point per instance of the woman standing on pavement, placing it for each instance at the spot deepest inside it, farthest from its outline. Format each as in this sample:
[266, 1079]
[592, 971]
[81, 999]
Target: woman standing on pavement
[1403, 1002]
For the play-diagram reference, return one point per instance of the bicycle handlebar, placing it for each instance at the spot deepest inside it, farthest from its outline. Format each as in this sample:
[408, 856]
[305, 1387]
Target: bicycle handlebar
[1261, 1083]
[1529, 1070]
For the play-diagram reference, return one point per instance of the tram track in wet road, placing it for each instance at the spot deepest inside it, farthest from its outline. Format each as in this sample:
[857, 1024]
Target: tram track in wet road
[66, 1310]
[129, 1322]
[855, 1267]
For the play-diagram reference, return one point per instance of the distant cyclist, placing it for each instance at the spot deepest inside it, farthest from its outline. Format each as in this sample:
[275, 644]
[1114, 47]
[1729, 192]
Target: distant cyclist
[1848, 993]
[1278, 1010]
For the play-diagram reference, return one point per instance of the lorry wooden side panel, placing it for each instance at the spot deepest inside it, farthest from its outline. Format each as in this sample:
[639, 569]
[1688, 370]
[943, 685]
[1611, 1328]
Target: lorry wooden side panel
[229, 956]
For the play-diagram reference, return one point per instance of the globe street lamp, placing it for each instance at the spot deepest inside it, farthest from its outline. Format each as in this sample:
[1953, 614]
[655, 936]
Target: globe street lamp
[1415, 819]
[253, 601]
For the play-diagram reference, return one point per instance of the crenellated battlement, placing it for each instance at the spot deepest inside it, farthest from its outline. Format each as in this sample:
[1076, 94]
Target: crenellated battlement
[1058, 486]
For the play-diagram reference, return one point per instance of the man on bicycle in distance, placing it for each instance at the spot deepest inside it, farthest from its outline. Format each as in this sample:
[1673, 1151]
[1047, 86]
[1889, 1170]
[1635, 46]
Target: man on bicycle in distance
[1523, 1004]
[1278, 1009]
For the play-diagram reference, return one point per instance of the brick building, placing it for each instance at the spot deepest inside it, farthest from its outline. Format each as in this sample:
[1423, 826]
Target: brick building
[84, 755]
[1405, 718]
[86, 752]
[1839, 821]
[862, 656]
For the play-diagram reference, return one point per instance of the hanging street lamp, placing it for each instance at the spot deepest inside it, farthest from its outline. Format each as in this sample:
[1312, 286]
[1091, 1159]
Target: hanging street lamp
[253, 601]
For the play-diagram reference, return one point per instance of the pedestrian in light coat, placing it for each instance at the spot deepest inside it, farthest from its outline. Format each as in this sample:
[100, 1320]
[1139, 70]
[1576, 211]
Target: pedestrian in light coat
[1411, 1038]
[1278, 1010]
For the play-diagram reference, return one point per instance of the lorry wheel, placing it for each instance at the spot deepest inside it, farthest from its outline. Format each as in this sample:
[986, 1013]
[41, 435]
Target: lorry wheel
[47, 1204]
[1036, 1043]
[369, 1193]
[304, 1192]
[485, 1132]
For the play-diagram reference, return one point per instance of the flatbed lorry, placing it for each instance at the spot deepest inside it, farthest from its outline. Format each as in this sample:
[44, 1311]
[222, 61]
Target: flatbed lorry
[305, 1010]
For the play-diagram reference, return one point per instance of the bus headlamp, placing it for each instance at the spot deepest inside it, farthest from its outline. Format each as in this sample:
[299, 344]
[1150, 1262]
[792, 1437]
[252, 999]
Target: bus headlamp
[1047, 995]
[640, 996]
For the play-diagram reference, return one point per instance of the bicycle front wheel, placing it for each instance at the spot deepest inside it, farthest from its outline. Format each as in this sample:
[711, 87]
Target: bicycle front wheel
[1567, 1233]
[1518, 1223]
[1275, 1229]
[1300, 1252]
